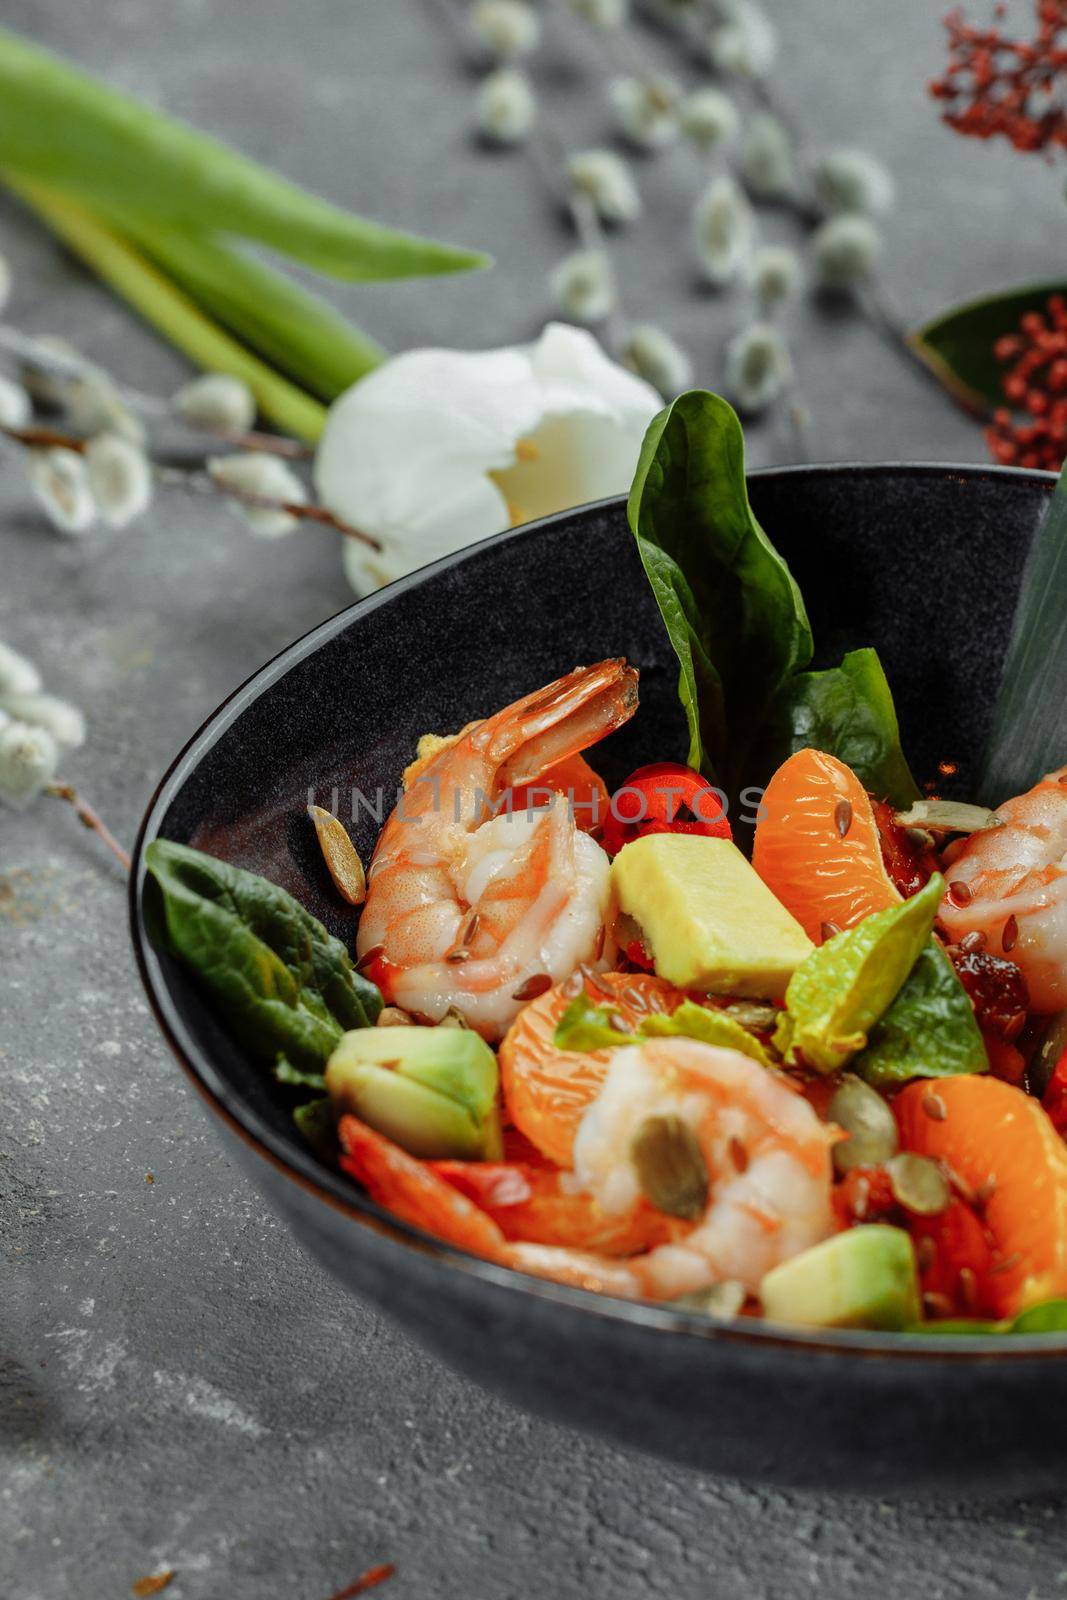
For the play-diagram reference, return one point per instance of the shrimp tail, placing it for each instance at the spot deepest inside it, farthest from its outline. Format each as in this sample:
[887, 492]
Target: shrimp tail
[563, 718]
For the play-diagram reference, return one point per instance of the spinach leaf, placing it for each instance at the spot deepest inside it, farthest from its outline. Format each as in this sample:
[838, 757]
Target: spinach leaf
[848, 711]
[316, 1123]
[745, 628]
[284, 984]
[929, 1031]
[737, 621]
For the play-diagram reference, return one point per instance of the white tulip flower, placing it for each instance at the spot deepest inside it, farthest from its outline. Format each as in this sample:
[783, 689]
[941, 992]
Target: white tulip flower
[608, 182]
[845, 250]
[507, 28]
[725, 230]
[120, 478]
[507, 108]
[438, 448]
[60, 480]
[16, 407]
[584, 286]
[852, 180]
[709, 118]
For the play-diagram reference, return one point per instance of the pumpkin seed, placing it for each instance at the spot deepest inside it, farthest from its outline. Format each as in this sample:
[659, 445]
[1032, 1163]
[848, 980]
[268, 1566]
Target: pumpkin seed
[918, 1184]
[757, 1018]
[393, 1017]
[339, 854]
[947, 816]
[453, 1019]
[1051, 1048]
[670, 1166]
[721, 1300]
[861, 1112]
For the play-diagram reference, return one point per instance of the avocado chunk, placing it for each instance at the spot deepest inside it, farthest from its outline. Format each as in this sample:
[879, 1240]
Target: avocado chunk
[863, 1278]
[835, 998]
[710, 921]
[431, 1090]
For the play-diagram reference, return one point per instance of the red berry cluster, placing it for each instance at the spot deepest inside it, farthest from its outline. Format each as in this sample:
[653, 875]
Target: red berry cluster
[1035, 384]
[995, 85]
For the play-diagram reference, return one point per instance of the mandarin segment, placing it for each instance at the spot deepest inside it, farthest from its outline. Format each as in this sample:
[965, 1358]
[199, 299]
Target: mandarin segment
[1001, 1145]
[546, 1090]
[817, 845]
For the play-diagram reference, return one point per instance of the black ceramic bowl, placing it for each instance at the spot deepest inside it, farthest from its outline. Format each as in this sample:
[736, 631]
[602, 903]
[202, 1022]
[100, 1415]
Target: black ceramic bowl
[924, 563]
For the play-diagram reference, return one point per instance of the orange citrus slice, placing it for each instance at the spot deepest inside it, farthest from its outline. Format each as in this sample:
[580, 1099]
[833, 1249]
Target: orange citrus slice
[546, 1090]
[817, 845]
[1003, 1146]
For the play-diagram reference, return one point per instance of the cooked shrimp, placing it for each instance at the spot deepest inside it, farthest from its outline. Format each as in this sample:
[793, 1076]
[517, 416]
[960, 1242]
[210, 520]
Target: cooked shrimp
[478, 912]
[1010, 883]
[766, 1153]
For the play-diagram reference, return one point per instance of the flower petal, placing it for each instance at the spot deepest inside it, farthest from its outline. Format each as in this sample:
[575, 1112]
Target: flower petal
[407, 452]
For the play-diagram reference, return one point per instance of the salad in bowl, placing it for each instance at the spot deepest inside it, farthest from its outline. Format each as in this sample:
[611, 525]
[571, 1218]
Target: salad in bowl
[769, 1030]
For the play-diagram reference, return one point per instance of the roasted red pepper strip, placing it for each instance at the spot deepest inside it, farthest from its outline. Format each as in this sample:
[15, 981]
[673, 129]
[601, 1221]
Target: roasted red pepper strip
[1055, 1099]
[664, 798]
[955, 1256]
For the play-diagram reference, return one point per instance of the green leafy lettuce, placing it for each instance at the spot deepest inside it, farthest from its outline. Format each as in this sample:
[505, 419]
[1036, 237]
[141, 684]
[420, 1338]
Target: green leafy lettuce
[1049, 1317]
[843, 988]
[929, 1031]
[587, 1026]
[737, 621]
[285, 986]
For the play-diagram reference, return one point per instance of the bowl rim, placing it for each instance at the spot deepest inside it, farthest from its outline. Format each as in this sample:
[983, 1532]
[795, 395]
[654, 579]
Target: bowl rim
[299, 1165]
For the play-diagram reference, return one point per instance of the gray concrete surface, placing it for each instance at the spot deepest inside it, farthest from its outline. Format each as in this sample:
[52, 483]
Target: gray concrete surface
[179, 1387]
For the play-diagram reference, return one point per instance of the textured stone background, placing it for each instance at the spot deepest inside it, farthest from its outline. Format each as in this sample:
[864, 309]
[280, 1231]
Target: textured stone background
[178, 1385]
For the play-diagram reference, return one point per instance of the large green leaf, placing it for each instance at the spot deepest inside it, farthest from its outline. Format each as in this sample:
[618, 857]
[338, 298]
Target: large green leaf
[298, 333]
[1029, 733]
[284, 984]
[849, 711]
[737, 621]
[930, 1030]
[958, 345]
[735, 614]
[68, 129]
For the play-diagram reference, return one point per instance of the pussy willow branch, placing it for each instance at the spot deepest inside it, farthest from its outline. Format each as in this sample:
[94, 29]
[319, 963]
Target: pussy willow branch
[548, 155]
[89, 818]
[205, 483]
[688, 24]
[28, 352]
[38, 437]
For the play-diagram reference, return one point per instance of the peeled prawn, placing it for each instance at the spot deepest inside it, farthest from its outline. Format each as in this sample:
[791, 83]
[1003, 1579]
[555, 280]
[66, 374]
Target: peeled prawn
[474, 908]
[766, 1152]
[1010, 884]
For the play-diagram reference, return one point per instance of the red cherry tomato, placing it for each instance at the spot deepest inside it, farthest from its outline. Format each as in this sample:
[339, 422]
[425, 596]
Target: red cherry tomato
[664, 797]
